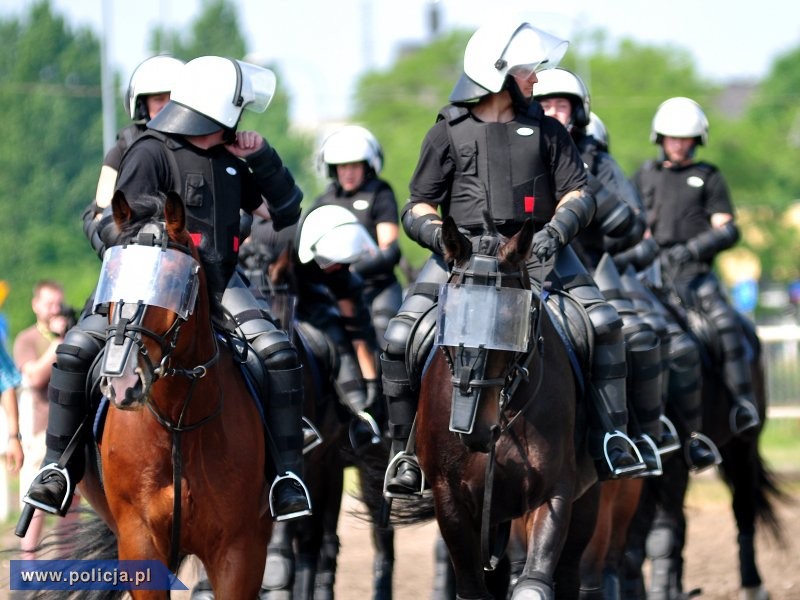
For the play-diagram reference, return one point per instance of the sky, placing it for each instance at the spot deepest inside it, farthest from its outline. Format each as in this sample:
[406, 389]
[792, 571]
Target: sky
[322, 46]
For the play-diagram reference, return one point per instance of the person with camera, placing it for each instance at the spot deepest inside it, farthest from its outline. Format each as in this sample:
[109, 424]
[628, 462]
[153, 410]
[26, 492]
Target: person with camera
[34, 354]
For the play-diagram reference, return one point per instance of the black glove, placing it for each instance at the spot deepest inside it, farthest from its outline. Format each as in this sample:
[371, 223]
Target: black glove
[679, 254]
[546, 243]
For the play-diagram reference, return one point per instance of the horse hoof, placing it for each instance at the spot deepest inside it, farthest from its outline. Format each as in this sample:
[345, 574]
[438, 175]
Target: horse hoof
[278, 570]
[754, 593]
[532, 589]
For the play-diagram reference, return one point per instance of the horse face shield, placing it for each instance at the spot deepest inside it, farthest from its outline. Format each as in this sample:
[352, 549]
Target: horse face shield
[135, 277]
[476, 314]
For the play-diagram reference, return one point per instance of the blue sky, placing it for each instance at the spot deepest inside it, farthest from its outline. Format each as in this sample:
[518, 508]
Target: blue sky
[323, 45]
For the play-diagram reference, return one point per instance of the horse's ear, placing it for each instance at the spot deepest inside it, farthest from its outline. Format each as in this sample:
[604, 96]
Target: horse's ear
[457, 246]
[175, 215]
[518, 247]
[120, 209]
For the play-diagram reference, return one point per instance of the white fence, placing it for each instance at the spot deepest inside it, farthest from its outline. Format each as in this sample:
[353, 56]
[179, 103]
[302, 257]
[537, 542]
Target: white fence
[781, 349]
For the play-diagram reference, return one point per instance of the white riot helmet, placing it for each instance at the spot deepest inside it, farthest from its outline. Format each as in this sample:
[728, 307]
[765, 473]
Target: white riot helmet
[211, 93]
[597, 129]
[501, 49]
[331, 234]
[154, 75]
[351, 144]
[561, 83]
[681, 118]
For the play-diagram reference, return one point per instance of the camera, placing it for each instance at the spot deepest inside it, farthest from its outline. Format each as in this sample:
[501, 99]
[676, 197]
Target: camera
[71, 317]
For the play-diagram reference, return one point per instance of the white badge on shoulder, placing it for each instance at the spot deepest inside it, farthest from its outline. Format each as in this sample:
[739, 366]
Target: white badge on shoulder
[230, 171]
[526, 131]
[695, 181]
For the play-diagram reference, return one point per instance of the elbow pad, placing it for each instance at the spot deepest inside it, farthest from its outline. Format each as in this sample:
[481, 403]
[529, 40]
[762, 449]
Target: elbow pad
[383, 262]
[573, 216]
[706, 245]
[639, 256]
[422, 230]
[277, 185]
[613, 214]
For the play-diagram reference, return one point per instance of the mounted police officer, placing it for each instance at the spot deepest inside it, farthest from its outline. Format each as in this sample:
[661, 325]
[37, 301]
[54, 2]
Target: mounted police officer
[148, 92]
[493, 150]
[192, 147]
[353, 159]
[691, 217]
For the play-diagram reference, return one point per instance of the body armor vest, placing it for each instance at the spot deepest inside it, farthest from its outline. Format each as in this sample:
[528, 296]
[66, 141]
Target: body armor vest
[500, 169]
[211, 194]
[366, 194]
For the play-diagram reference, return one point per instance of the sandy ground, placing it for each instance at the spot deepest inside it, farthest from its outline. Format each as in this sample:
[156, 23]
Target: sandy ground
[711, 555]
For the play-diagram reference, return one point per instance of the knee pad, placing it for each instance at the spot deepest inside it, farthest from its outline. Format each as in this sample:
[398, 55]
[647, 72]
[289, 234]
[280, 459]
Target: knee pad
[397, 334]
[660, 543]
[606, 323]
[82, 344]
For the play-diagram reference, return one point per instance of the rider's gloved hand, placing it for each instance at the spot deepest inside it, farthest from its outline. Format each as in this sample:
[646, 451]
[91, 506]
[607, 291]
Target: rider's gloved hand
[679, 254]
[546, 243]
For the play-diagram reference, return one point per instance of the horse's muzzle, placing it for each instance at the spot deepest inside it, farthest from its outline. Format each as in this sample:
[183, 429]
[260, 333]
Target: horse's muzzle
[126, 393]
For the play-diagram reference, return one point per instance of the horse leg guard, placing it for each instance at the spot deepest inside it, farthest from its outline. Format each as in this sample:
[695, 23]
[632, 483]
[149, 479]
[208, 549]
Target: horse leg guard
[280, 558]
[664, 568]
[593, 593]
[325, 579]
[304, 576]
[444, 585]
[533, 588]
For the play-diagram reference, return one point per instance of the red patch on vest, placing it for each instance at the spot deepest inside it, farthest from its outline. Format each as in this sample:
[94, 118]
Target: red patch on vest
[196, 238]
[236, 243]
[529, 203]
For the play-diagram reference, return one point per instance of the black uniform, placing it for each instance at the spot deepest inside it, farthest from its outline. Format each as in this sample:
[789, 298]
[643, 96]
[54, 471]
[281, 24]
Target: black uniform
[516, 171]
[374, 202]
[680, 202]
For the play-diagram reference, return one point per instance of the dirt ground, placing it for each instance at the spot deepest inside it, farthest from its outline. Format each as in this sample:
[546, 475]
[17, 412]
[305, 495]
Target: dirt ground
[711, 555]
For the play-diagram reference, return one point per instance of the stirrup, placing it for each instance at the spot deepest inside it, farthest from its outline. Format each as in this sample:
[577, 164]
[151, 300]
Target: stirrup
[672, 431]
[750, 409]
[299, 513]
[311, 436]
[391, 471]
[53, 510]
[622, 471]
[710, 446]
[367, 418]
[653, 467]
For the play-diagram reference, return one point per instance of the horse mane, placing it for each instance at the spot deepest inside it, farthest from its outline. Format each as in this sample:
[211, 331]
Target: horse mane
[149, 208]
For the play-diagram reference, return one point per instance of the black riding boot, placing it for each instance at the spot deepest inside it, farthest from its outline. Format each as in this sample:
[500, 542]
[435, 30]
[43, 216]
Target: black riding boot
[354, 395]
[53, 487]
[403, 475]
[685, 394]
[289, 497]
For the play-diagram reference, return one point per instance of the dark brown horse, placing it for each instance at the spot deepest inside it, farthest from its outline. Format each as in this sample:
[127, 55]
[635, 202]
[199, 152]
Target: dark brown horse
[183, 446]
[659, 530]
[303, 555]
[521, 455]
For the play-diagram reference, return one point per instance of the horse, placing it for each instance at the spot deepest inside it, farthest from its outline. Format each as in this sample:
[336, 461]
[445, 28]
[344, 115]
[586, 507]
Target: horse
[182, 448]
[303, 554]
[659, 528]
[519, 454]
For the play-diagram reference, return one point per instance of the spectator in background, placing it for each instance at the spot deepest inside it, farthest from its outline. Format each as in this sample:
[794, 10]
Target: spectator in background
[10, 378]
[34, 355]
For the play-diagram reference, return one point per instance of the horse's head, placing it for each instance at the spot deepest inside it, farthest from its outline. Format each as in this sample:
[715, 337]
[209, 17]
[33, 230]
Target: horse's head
[149, 281]
[484, 325]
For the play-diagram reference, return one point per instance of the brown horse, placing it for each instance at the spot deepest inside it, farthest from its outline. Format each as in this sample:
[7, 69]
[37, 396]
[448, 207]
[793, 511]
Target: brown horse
[183, 446]
[519, 456]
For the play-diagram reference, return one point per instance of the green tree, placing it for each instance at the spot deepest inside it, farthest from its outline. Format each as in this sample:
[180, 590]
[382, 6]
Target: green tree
[49, 155]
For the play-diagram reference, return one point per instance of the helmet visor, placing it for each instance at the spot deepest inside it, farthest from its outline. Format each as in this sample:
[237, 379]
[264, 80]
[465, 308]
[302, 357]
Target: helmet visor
[257, 87]
[345, 244]
[531, 50]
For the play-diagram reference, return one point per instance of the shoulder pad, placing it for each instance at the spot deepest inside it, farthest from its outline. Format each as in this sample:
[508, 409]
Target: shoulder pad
[535, 111]
[452, 113]
[705, 167]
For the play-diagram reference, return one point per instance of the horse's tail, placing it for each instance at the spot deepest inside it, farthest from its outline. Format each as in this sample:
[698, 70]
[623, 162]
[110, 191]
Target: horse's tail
[742, 466]
[86, 538]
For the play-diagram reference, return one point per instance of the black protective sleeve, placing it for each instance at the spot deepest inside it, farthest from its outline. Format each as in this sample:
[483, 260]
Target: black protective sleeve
[706, 245]
[613, 213]
[97, 225]
[573, 216]
[277, 185]
[423, 230]
[383, 262]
